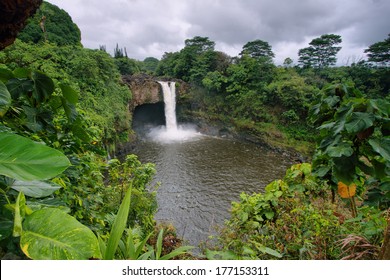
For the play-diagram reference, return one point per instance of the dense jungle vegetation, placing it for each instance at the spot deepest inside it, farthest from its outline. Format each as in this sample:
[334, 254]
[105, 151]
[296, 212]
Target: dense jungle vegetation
[64, 109]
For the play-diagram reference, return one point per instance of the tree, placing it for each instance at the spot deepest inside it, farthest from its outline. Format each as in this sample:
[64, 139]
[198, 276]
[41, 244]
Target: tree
[199, 44]
[288, 62]
[119, 53]
[150, 64]
[167, 64]
[52, 24]
[379, 52]
[195, 59]
[257, 49]
[321, 53]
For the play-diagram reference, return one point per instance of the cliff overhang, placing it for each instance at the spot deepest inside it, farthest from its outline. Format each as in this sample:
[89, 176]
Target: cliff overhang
[145, 89]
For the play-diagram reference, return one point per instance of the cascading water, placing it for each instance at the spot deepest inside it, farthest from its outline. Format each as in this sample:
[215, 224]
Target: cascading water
[171, 132]
[169, 92]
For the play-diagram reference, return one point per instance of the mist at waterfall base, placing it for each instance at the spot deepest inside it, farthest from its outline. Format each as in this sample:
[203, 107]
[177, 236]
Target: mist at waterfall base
[171, 132]
[185, 132]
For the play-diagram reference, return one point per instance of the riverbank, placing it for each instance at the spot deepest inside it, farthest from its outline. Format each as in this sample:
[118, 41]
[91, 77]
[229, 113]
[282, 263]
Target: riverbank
[266, 135]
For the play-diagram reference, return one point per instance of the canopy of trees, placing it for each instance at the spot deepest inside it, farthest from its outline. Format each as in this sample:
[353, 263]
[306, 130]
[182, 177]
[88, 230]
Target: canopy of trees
[321, 53]
[52, 24]
[257, 49]
[379, 52]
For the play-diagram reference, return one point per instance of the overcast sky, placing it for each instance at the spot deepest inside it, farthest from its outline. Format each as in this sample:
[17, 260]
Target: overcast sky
[152, 27]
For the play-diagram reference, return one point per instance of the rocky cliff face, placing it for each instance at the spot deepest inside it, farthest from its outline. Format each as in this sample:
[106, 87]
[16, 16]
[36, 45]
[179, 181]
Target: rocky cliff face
[13, 16]
[146, 89]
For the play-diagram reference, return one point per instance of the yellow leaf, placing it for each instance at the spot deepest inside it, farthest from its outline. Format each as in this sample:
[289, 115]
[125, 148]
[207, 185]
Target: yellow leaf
[346, 191]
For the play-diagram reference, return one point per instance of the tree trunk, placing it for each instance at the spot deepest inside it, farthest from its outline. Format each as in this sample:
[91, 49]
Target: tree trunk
[385, 252]
[13, 17]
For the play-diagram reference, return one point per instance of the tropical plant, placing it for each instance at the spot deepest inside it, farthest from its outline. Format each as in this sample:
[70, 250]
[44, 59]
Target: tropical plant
[22, 169]
[155, 253]
[108, 250]
[132, 247]
[304, 225]
[354, 147]
[32, 105]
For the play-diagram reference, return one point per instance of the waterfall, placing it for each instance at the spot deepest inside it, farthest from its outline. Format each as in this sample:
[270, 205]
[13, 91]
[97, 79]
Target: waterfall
[169, 93]
[172, 132]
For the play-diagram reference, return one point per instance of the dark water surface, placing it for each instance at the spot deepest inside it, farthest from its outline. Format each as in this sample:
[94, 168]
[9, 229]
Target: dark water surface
[200, 178]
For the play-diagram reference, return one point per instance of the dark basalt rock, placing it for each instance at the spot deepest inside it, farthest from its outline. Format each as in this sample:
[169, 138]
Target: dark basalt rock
[13, 17]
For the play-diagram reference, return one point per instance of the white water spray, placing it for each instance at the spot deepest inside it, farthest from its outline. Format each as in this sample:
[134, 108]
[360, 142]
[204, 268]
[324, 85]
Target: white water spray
[169, 93]
[171, 132]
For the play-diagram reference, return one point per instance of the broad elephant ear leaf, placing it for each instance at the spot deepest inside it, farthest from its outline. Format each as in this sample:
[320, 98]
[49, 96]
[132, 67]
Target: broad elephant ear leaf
[43, 86]
[5, 99]
[51, 234]
[26, 160]
[36, 189]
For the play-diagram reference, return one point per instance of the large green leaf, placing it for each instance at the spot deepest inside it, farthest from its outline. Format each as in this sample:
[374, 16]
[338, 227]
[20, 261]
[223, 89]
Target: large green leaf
[5, 99]
[26, 160]
[69, 100]
[19, 87]
[69, 94]
[5, 75]
[118, 227]
[342, 149]
[344, 169]
[381, 106]
[37, 189]
[382, 147]
[51, 234]
[43, 86]
[359, 121]
[79, 131]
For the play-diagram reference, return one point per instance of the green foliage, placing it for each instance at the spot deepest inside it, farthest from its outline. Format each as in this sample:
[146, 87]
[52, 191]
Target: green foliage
[299, 178]
[104, 99]
[192, 63]
[247, 216]
[149, 65]
[354, 141]
[44, 111]
[379, 52]
[51, 234]
[28, 160]
[133, 246]
[291, 220]
[5, 99]
[143, 202]
[290, 91]
[258, 49]
[118, 227]
[57, 27]
[156, 252]
[127, 66]
[321, 53]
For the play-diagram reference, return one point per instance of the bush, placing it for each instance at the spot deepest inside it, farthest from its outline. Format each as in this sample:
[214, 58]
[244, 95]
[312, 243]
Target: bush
[293, 219]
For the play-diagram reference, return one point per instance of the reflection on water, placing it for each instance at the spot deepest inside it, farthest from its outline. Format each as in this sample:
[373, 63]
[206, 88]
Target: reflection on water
[201, 177]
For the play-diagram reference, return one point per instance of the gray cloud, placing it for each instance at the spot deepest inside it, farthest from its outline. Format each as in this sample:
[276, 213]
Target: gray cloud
[152, 27]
